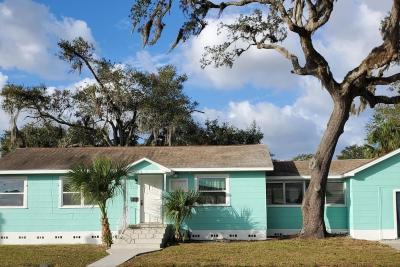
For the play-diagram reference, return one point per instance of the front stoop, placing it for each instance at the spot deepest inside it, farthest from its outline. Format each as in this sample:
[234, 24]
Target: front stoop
[135, 240]
[144, 235]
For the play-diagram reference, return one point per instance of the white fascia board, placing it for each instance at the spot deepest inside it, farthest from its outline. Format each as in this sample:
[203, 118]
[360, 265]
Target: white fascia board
[297, 177]
[372, 163]
[34, 171]
[222, 169]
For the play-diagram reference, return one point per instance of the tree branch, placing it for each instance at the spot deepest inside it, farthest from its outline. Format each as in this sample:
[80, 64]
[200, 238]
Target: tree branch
[373, 100]
[297, 69]
[384, 80]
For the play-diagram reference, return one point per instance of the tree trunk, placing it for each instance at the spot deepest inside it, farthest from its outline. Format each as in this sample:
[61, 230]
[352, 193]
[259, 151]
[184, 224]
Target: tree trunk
[105, 227]
[313, 206]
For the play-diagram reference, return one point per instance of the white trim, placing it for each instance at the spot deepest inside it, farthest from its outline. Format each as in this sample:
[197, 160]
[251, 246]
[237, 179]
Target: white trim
[42, 238]
[376, 234]
[284, 232]
[227, 189]
[222, 169]
[228, 234]
[395, 211]
[25, 193]
[376, 161]
[299, 177]
[44, 171]
[163, 169]
[47, 171]
[178, 179]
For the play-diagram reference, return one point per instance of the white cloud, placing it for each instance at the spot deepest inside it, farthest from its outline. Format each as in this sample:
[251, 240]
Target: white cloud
[28, 36]
[295, 128]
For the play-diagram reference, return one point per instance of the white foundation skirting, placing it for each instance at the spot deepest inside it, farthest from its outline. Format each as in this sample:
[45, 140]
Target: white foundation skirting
[283, 232]
[373, 234]
[228, 234]
[42, 238]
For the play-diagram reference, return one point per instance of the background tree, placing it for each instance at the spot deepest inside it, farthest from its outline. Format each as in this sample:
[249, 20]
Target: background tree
[99, 182]
[357, 152]
[303, 157]
[267, 29]
[383, 131]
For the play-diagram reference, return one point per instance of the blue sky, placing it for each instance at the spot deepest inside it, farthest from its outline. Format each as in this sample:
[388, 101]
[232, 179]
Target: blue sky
[291, 111]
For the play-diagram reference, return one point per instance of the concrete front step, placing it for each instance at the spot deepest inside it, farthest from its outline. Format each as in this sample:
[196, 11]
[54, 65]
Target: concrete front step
[147, 225]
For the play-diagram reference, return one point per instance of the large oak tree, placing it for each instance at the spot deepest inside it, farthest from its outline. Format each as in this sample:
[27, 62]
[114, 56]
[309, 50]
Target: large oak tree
[265, 28]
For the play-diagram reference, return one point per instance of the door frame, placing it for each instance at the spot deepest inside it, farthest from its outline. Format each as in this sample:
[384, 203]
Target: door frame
[396, 230]
[141, 198]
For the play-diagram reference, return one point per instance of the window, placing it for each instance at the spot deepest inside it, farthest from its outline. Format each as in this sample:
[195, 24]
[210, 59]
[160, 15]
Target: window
[292, 192]
[175, 184]
[72, 198]
[12, 192]
[275, 193]
[334, 193]
[213, 190]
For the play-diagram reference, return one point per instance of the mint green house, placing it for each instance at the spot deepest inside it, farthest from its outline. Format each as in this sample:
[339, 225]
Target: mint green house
[244, 195]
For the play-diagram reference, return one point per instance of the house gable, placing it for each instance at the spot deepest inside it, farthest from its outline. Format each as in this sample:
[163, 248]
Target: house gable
[146, 165]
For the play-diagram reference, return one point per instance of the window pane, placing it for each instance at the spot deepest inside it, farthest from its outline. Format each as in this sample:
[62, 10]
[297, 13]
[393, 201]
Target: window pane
[67, 187]
[294, 193]
[71, 199]
[12, 200]
[334, 193]
[275, 193]
[176, 184]
[11, 185]
[212, 198]
[212, 184]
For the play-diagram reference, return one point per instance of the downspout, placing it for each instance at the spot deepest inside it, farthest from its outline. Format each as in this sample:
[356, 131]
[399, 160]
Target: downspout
[162, 199]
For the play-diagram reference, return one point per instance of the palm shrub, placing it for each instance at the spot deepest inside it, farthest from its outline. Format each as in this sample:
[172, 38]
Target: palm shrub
[178, 206]
[99, 181]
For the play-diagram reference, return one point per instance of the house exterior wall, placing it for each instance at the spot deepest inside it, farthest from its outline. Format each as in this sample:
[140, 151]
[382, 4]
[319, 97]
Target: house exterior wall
[43, 220]
[245, 217]
[288, 220]
[371, 207]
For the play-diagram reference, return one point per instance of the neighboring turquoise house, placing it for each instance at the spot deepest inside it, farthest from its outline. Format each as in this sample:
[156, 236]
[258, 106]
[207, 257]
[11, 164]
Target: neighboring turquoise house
[244, 194]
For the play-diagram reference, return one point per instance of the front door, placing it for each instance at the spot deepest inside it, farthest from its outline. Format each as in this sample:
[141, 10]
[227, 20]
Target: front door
[398, 213]
[151, 198]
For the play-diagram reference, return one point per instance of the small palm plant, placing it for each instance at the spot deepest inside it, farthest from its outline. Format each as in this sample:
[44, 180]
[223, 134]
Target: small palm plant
[99, 181]
[178, 206]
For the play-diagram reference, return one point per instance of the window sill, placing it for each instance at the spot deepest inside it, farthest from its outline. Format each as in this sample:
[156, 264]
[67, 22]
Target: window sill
[13, 207]
[212, 205]
[78, 207]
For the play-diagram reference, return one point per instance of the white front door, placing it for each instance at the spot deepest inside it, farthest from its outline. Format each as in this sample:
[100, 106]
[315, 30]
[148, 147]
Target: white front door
[151, 198]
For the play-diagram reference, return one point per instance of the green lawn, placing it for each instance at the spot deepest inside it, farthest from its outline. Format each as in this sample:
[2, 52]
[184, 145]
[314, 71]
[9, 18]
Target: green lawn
[335, 251]
[53, 255]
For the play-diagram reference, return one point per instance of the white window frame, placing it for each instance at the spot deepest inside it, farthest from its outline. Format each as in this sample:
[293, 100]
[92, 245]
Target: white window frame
[304, 191]
[227, 189]
[61, 193]
[25, 193]
[186, 180]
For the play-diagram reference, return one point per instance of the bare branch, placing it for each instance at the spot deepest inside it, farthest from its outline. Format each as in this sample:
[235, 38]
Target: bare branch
[373, 100]
[384, 80]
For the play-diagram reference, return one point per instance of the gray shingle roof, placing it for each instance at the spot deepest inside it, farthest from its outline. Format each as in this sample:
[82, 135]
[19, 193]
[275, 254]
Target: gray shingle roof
[300, 168]
[241, 156]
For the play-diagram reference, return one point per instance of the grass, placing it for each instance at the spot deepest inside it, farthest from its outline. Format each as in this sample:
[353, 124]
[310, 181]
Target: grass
[52, 255]
[335, 251]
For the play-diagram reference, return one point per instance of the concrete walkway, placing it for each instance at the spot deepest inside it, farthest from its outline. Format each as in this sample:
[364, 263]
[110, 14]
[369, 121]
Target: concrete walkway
[120, 255]
[393, 243]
